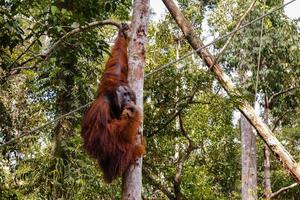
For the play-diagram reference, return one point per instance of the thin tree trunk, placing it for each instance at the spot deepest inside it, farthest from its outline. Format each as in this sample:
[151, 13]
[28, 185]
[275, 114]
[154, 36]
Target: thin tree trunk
[267, 164]
[177, 177]
[244, 107]
[132, 180]
[248, 143]
[249, 177]
[267, 173]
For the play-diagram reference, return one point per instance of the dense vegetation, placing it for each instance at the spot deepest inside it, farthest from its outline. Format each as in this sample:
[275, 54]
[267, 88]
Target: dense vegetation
[190, 125]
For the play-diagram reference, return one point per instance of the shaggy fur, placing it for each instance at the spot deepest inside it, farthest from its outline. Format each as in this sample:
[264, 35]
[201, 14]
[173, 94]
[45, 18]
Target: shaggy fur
[110, 125]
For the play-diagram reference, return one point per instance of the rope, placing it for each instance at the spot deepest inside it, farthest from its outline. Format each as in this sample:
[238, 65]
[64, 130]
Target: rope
[259, 57]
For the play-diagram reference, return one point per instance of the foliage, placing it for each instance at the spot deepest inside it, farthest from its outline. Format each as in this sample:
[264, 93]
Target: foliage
[51, 163]
[276, 77]
[184, 107]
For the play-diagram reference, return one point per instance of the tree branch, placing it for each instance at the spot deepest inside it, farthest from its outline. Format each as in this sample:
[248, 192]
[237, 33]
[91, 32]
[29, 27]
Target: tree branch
[46, 54]
[189, 99]
[279, 119]
[76, 31]
[280, 93]
[275, 194]
[181, 160]
[183, 131]
[158, 185]
[25, 51]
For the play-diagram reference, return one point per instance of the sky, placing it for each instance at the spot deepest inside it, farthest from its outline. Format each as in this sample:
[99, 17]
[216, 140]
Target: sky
[292, 10]
[159, 8]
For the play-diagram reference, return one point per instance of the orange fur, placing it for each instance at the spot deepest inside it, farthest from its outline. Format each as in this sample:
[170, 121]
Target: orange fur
[109, 133]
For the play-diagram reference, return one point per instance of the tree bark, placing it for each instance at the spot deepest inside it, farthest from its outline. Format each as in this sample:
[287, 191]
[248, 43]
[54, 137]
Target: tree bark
[249, 175]
[248, 143]
[179, 166]
[267, 164]
[244, 107]
[132, 180]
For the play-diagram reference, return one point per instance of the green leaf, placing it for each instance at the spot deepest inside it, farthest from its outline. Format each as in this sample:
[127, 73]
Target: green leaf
[64, 11]
[59, 28]
[54, 10]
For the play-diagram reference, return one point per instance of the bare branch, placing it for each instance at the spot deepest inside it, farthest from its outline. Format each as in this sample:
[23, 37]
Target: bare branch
[200, 102]
[179, 168]
[275, 194]
[17, 69]
[281, 92]
[158, 185]
[279, 119]
[184, 133]
[259, 56]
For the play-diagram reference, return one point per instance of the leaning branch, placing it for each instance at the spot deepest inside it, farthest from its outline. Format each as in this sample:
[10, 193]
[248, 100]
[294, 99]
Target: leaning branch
[244, 107]
[25, 51]
[275, 194]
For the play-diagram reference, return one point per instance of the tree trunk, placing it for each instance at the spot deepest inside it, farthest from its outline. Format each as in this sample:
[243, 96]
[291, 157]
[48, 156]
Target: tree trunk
[267, 164]
[179, 166]
[249, 177]
[132, 180]
[248, 143]
[244, 107]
